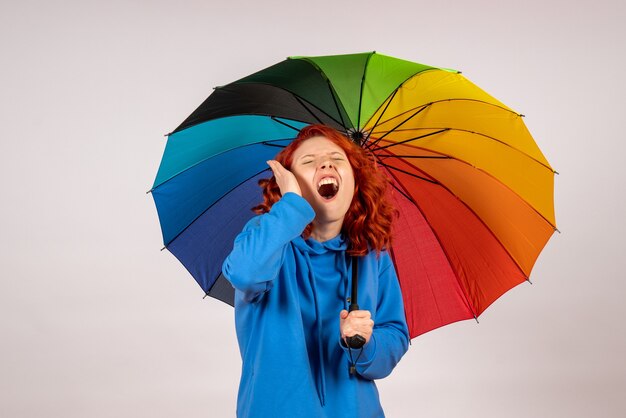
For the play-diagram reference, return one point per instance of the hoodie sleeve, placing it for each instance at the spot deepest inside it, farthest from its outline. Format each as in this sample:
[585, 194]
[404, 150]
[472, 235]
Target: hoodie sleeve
[390, 337]
[258, 250]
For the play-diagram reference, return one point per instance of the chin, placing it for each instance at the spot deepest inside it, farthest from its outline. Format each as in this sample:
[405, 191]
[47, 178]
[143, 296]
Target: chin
[329, 211]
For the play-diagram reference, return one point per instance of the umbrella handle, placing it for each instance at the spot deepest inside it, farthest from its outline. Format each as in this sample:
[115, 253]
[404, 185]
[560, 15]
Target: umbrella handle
[356, 341]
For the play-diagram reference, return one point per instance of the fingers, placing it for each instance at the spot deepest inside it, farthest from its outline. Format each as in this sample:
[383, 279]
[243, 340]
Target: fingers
[277, 168]
[361, 314]
[285, 179]
[356, 322]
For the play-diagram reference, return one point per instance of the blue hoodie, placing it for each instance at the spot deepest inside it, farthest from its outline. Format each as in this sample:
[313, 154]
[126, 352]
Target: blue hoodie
[288, 296]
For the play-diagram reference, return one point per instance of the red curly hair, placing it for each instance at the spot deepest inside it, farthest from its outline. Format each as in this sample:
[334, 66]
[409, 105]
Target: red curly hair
[368, 222]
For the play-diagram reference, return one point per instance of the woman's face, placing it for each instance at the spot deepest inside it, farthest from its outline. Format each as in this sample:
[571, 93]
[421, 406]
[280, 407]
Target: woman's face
[325, 177]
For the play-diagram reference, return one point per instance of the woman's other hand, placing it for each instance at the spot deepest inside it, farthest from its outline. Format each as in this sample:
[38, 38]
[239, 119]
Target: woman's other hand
[285, 179]
[356, 323]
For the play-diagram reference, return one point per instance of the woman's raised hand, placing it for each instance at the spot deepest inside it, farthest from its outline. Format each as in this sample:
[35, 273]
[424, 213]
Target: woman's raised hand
[285, 179]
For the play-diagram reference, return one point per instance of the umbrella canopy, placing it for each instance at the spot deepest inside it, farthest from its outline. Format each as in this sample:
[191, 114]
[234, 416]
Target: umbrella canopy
[474, 191]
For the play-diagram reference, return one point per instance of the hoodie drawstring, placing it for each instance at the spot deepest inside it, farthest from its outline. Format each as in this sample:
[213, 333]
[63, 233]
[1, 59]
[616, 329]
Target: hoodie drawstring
[321, 383]
[346, 281]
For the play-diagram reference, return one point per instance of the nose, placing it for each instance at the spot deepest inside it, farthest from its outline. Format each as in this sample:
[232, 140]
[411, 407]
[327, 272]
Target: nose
[326, 163]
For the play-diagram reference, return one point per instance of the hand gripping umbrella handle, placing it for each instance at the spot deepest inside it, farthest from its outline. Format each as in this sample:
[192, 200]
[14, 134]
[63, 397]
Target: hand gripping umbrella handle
[356, 341]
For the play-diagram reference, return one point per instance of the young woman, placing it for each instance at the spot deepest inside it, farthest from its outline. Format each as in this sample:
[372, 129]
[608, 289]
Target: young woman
[324, 209]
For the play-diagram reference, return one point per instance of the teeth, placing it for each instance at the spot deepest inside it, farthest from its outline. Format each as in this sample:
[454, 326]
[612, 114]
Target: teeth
[326, 180]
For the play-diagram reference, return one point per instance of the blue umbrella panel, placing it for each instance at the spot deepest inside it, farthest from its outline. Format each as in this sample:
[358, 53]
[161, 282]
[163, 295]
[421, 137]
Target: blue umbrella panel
[206, 186]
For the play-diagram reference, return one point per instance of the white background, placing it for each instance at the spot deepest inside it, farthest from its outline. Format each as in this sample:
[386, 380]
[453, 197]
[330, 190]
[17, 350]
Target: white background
[95, 321]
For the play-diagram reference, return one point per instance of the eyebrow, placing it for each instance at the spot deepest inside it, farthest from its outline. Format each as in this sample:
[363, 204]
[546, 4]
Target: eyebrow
[314, 155]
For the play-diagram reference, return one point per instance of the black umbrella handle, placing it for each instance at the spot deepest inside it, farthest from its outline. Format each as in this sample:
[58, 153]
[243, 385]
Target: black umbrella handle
[356, 341]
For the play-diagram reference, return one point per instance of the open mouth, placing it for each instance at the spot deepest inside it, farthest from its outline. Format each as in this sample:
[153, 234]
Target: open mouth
[327, 187]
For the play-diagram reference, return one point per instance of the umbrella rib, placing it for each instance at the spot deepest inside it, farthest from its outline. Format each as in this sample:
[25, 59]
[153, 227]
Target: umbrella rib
[463, 130]
[445, 253]
[436, 157]
[400, 124]
[469, 132]
[275, 119]
[272, 145]
[220, 153]
[299, 100]
[388, 102]
[358, 116]
[302, 100]
[407, 173]
[332, 93]
[445, 156]
[369, 133]
[214, 203]
[473, 213]
[393, 255]
[332, 90]
[402, 192]
[393, 144]
[453, 100]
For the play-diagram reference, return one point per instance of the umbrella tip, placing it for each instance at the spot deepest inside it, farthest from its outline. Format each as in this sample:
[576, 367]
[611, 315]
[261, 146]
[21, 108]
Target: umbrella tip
[557, 230]
[149, 191]
[556, 172]
[476, 319]
[528, 280]
[163, 248]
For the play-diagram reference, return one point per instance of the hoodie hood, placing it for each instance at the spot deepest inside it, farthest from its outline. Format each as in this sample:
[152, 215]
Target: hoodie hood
[311, 246]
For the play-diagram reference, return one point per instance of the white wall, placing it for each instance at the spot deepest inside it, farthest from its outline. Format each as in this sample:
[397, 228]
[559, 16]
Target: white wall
[95, 321]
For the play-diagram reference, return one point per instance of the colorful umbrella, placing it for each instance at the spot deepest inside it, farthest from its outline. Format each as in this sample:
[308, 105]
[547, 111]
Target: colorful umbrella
[474, 192]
